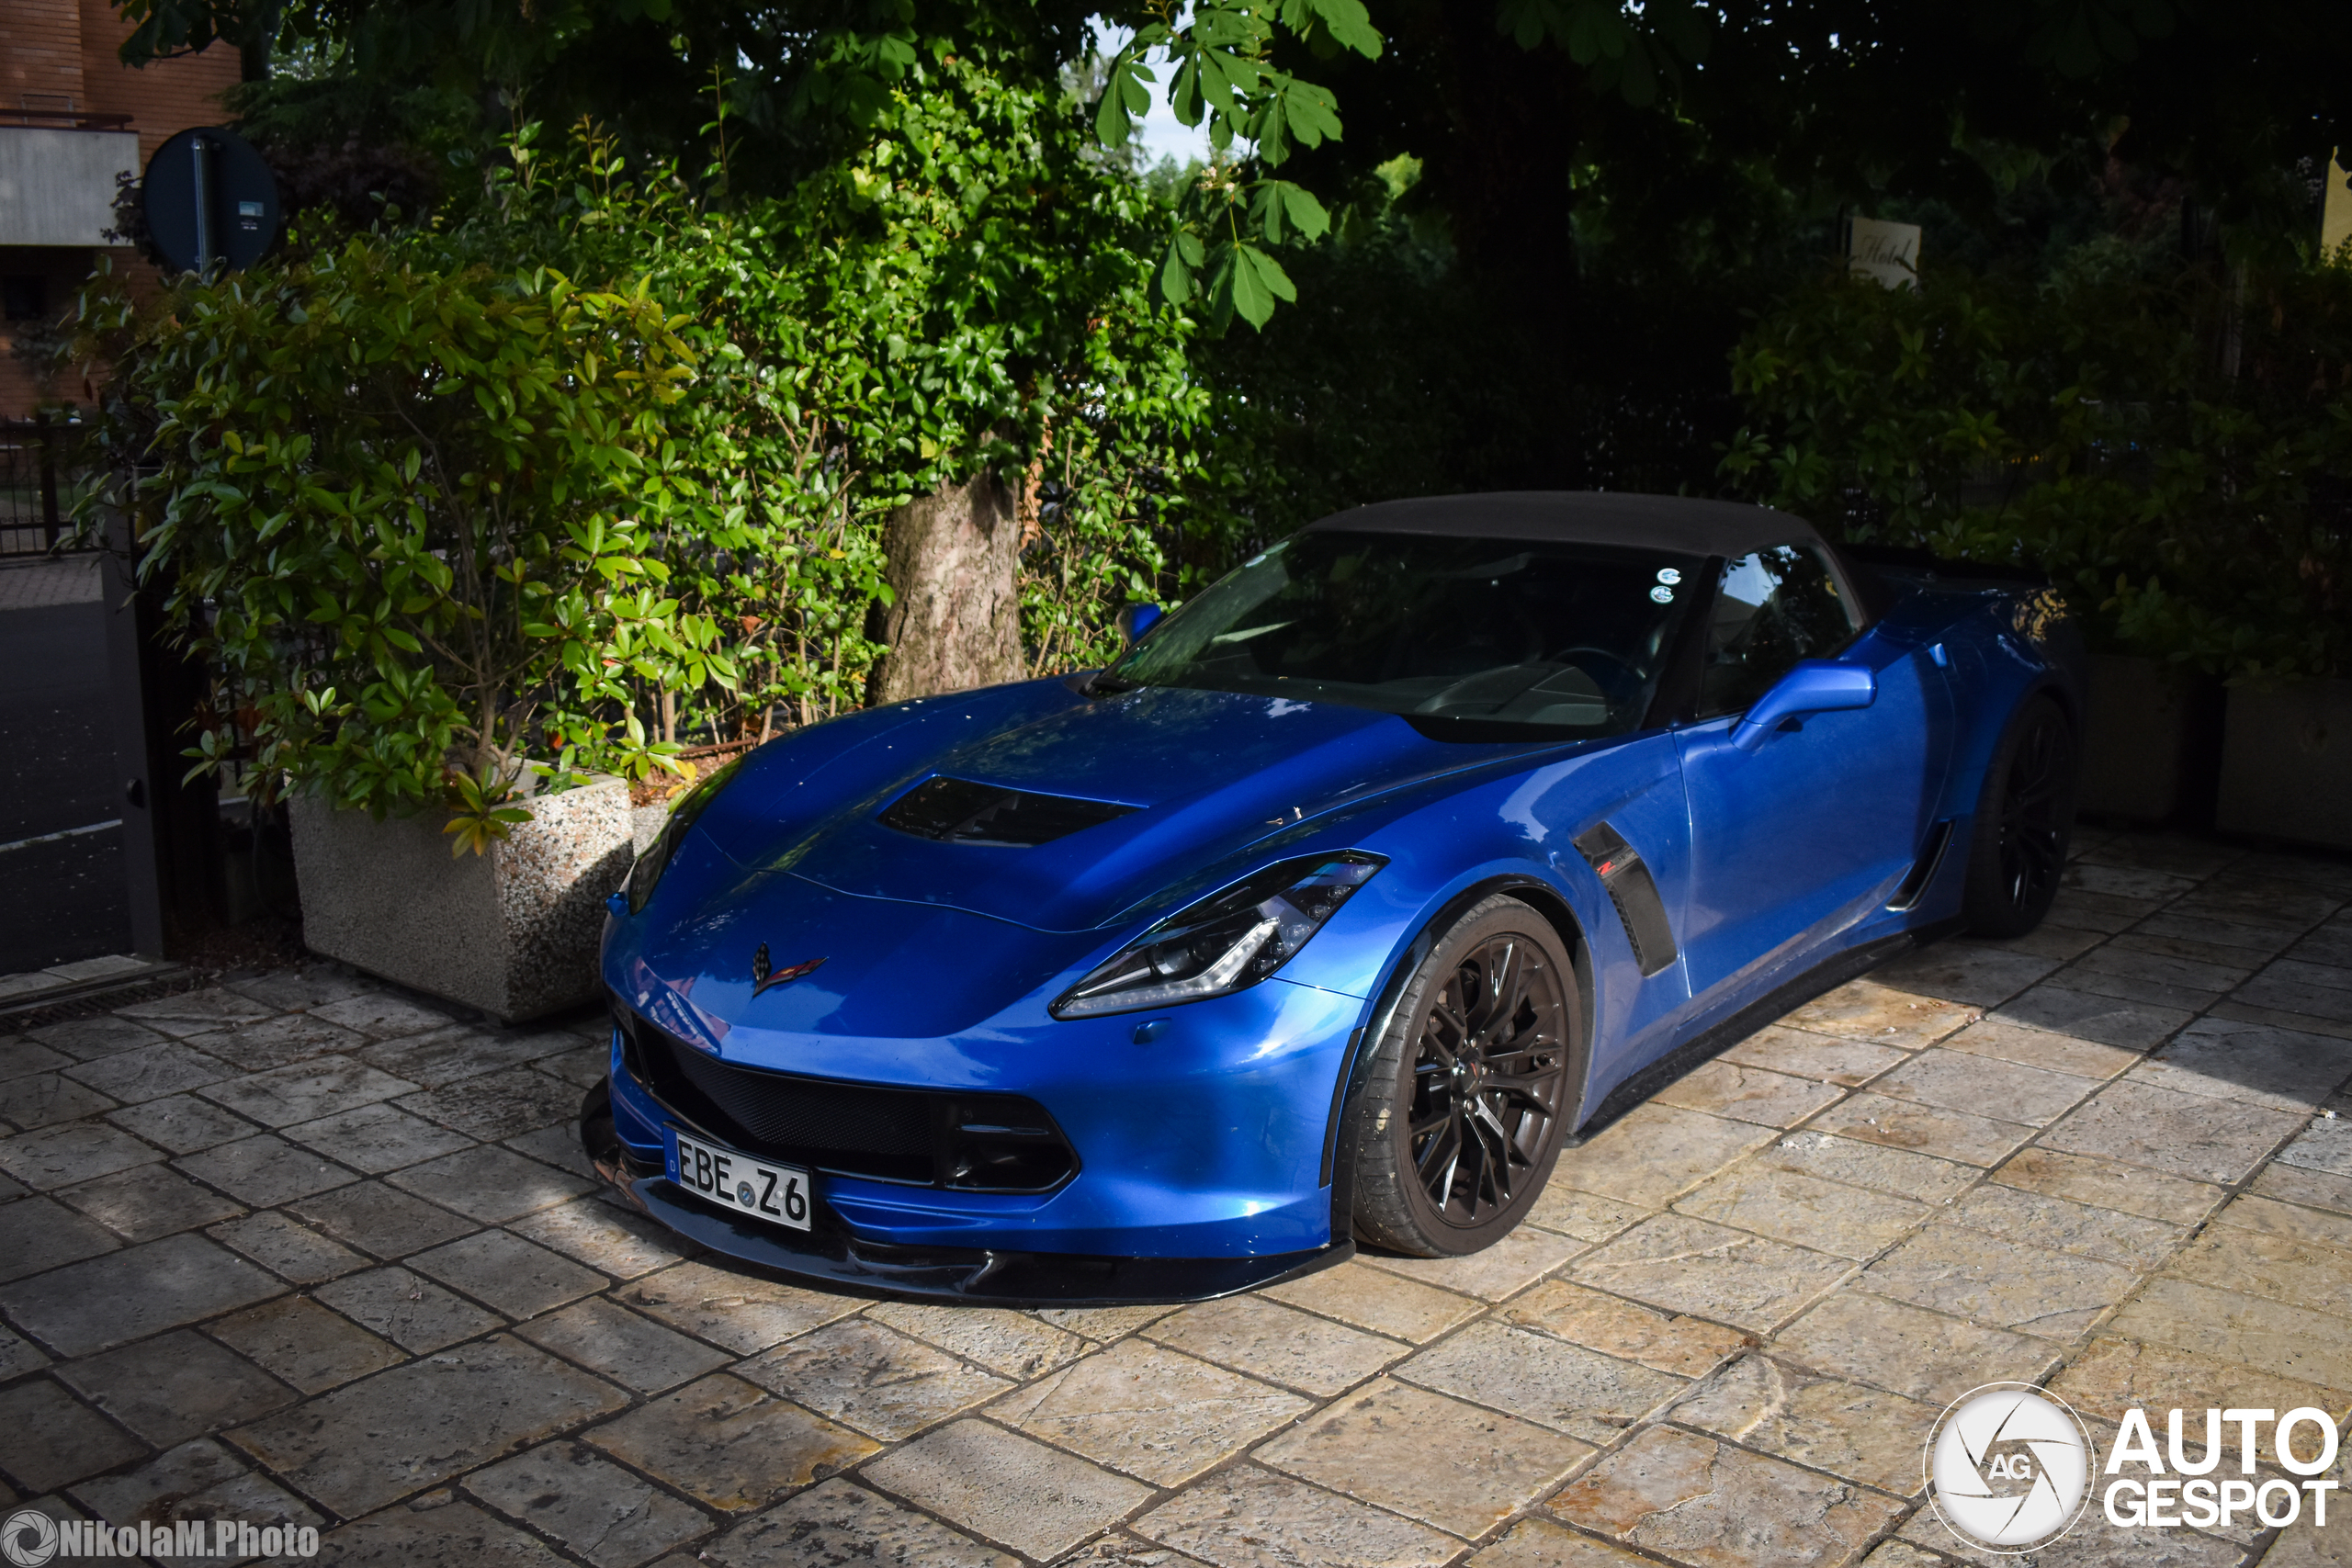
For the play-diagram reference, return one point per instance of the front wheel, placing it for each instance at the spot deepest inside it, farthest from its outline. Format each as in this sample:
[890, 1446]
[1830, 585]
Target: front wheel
[2023, 822]
[1470, 1090]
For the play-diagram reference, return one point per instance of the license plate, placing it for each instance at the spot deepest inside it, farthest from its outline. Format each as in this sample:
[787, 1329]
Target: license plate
[776, 1193]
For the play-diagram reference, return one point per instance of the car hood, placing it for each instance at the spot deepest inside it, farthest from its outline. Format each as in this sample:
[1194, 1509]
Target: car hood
[1208, 773]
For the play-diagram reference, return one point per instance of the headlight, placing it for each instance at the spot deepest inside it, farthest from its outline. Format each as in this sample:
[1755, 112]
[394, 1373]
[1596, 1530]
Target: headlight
[1226, 941]
[656, 857]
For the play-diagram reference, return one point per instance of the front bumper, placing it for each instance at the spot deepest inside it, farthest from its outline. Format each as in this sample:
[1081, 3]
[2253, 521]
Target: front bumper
[833, 1253]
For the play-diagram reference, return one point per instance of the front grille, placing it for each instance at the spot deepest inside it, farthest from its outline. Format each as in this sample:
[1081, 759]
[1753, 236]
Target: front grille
[984, 1143]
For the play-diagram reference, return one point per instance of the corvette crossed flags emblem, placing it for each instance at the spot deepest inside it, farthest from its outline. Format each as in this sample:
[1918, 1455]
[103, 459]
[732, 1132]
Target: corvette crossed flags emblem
[767, 976]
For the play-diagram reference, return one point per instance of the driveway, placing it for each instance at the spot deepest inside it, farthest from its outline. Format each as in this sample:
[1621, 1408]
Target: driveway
[301, 1248]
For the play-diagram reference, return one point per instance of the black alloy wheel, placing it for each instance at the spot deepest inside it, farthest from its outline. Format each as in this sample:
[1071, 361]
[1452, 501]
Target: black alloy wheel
[1471, 1089]
[2024, 820]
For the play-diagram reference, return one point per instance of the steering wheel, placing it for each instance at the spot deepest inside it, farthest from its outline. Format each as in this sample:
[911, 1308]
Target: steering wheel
[1627, 675]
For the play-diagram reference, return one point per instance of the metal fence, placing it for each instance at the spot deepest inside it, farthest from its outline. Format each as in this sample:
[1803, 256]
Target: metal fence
[43, 471]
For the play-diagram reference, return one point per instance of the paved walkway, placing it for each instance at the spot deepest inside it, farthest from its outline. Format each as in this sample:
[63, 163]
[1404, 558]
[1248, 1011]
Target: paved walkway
[301, 1248]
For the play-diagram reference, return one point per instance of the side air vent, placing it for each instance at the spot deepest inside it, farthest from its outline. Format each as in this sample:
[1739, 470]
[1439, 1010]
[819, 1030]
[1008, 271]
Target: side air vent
[961, 812]
[1635, 891]
[1923, 869]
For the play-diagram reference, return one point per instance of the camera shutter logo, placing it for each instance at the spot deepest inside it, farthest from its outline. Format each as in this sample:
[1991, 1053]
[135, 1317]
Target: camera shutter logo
[2010, 1467]
[29, 1539]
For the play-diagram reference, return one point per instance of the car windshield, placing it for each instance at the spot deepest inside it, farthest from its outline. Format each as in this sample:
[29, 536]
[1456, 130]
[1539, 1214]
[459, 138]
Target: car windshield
[1533, 638]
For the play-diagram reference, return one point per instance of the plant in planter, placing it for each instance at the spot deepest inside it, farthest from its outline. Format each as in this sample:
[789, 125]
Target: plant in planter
[396, 502]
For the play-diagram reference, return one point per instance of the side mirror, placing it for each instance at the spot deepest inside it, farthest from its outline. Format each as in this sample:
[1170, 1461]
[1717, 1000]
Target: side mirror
[1134, 622]
[1813, 685]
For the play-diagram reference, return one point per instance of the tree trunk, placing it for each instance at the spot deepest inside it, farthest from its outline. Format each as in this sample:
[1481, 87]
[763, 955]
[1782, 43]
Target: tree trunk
[954, 618]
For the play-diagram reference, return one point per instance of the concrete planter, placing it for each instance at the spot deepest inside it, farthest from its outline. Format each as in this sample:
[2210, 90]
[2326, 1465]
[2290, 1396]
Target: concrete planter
[512, 932]
[2287, 763]
[2148, 741]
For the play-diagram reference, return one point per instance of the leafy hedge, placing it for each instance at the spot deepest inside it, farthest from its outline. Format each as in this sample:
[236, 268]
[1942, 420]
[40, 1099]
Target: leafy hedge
[2173, 447]
[601, 468]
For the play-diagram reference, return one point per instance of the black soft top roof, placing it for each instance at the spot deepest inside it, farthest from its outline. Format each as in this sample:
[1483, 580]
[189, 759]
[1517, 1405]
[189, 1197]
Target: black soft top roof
[1681, 524]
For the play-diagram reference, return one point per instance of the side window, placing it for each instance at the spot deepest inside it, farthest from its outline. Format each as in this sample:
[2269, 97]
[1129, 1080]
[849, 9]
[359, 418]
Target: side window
[1771, 609]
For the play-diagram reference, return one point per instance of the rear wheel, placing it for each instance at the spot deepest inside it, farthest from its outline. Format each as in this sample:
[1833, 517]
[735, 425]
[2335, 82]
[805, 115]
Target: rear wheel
[2023, 822]
[1470, 1090]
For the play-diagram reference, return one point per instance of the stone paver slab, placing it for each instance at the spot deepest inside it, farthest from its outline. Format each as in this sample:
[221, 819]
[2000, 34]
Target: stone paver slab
[38, 1234]
[305, 1091]
[51, 1157]
[375, 1138]
[2011, 1042]
[1788, 1205]
[2182, 1134]
[413, 1312]
[1587, 1216]
[85, 1039]
[96, 1305]
[175, 1386]
[302, 1343]
[181, 1124]
[1690, 1266]
[1628, 1331]
[1148, 1411]
[285, 1249]
[614, 1342]
[1970, 975]
[1747, 1093]
[2111, 1021]
[1707, 1503]
[1446, 1463]
[615, 1241]
[1378, 1300]
[489, 1184]
[380, 1015]
[1101, 1324]
[2229, 1059]
[1005, 1488]
[197, 1012]
[19, 1055]
[2110, 1184]
[500, 1104]
[2312, 1189]
[445, 1056]
[1933, 1130]
[266, 1170]
[415, 1426]
[2323, 1227]
[376, 1219]
[149, 1200]
[47, 1438]
[1511, 1265]
[741, 1311]
[2115, 1375]
[1538, 1543]
[1009, 1344]
[2265, 1263]
[301, 985]
[1656, 1153]
[1279, 1344]
[835, 1523]
[452, 1531]
[508, 1273]
[1999, 1283]
[1923, 1179]
[1884, 1015]
[149, 1073]
[866, 1376]
[593, 1506]
[2061, 1225]
[1894, 1346]
[1985, 1086]
[276, 1042]
[198, 1480]
[1567, 1387]
[2324, 1146]
[734, 1446]
[1861, 1433]
[1825, 1058]
[1250, 1518]
[43, 1099]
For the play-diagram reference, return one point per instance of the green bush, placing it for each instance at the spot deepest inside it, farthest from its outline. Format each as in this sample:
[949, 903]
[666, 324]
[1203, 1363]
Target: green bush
[2173, 448]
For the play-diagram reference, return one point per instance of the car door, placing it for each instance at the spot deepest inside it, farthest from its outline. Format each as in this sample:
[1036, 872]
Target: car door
[1795, 840]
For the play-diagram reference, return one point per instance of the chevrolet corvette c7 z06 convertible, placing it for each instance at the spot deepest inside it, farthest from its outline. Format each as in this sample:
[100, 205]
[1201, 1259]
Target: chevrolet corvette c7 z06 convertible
[1360, 885]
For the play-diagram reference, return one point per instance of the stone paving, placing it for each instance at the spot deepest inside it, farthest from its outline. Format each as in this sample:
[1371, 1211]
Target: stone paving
[303, 1248]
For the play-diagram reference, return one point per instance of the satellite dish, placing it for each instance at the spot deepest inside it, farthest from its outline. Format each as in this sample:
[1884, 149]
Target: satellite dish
[210, 201]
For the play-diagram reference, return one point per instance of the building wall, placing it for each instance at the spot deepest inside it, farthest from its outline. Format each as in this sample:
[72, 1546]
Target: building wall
[52, 50]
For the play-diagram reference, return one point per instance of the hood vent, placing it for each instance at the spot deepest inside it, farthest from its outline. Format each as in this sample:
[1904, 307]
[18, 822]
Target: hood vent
[959, 811]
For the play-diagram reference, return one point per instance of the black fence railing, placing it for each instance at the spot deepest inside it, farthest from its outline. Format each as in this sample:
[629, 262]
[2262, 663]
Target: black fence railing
[44, 468]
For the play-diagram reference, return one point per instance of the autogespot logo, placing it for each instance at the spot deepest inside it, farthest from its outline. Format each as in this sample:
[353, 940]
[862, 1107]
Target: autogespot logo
[2010, 1468]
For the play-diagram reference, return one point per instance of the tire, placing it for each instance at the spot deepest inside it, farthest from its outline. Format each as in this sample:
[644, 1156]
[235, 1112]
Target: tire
[1451, 1145]
[2017, 853]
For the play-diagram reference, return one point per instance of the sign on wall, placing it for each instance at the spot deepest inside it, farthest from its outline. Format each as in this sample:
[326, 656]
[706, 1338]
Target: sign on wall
[1887, 251]
[210, 201]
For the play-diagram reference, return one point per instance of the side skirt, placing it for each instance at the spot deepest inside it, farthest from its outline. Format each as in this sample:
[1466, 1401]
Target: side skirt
[1713, 1041]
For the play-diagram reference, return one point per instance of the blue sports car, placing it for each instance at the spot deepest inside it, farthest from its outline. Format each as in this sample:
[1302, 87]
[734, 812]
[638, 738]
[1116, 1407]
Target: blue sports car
[1423, 843]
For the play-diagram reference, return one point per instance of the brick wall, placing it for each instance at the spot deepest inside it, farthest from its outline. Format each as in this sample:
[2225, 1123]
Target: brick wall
[164, 98]
[40, 52]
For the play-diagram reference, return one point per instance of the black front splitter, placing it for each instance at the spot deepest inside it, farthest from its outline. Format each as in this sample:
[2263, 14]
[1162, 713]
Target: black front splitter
[830, 1255]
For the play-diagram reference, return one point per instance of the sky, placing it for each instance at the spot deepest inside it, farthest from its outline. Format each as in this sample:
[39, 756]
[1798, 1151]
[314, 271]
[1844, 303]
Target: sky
[1163, 135]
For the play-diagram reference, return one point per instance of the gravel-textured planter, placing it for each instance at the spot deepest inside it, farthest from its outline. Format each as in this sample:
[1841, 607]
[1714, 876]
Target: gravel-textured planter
[512, 932]
[2141, 756]
[2287, 763]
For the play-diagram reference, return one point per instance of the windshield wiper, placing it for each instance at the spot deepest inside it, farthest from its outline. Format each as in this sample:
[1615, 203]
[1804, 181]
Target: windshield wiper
[1103, 683]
